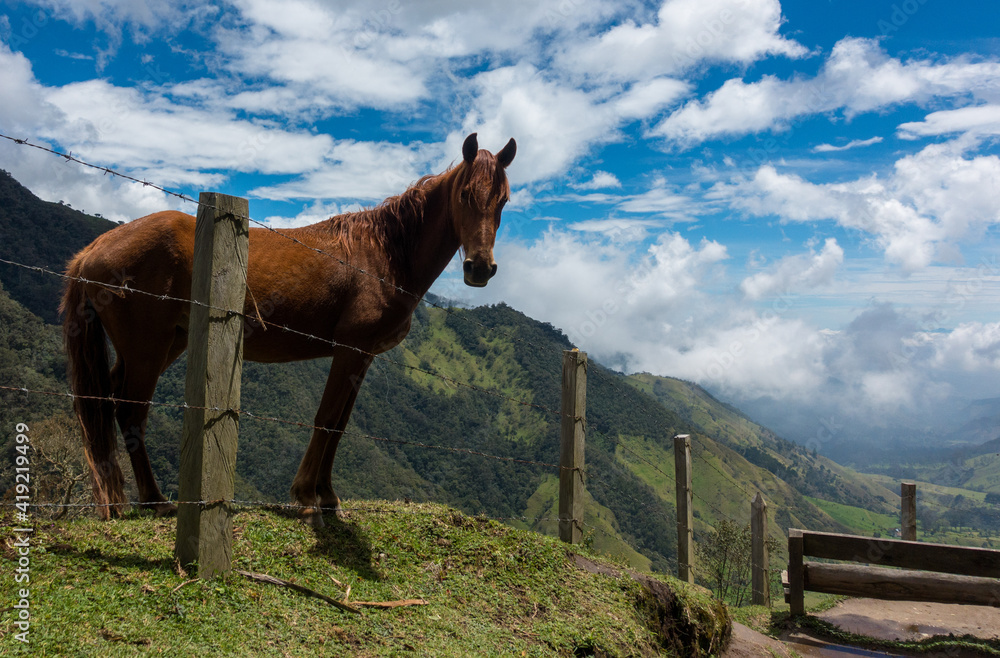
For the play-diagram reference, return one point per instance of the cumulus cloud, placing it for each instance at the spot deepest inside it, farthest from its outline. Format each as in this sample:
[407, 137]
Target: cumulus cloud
[318, 211]
[858, 77]
[555, 124]
[369, 171]
[116, 125]
[683, 34]
[970, 347]
[599, 180]
[932, 199]
[979, 120]
[796, 273]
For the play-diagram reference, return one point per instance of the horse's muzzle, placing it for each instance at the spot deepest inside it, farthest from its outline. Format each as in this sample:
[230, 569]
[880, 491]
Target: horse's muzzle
[477, 274]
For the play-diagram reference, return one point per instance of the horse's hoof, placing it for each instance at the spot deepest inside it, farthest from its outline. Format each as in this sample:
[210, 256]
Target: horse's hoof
[164, 509]
[313, 517]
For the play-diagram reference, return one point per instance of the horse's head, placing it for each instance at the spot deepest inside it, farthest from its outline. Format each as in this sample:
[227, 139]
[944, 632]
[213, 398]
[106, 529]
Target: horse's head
[477, 201]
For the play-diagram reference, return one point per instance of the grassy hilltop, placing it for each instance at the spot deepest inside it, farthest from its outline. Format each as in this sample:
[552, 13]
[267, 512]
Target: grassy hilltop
[108, 589]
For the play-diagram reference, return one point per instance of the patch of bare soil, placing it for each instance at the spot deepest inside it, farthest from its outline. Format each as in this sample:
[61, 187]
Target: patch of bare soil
[910, 620]
[748, 643]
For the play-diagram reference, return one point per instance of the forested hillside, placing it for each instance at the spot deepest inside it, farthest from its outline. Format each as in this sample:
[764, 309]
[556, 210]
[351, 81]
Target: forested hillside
[43, 234]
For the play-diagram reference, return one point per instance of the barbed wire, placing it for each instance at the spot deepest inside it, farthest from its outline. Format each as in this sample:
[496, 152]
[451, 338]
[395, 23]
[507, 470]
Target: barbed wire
[263, 504]
[184, 197]
[248, 414]
[619, 538]
[649, 417]
[257, 318]
[727, 477]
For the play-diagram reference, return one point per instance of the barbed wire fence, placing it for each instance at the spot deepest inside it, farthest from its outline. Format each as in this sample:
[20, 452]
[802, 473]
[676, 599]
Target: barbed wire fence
[124, 288]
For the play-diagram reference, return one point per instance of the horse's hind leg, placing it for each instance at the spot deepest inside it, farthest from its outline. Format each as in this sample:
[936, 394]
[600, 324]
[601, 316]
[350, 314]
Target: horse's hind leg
[135, 380]
[312, 486]
[324, 483]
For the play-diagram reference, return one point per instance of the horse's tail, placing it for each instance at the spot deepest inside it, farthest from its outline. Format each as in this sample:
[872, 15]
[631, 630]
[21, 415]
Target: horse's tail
[90, 379]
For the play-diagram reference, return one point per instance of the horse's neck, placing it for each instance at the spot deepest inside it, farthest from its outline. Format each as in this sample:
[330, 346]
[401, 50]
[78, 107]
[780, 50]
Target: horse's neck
[434, 241]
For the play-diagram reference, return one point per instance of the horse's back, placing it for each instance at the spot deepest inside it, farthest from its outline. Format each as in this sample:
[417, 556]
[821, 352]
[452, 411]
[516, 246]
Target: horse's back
[141, 247]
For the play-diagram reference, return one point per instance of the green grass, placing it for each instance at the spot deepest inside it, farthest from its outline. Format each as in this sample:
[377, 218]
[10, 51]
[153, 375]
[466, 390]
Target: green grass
[861, 521]
[113, 588]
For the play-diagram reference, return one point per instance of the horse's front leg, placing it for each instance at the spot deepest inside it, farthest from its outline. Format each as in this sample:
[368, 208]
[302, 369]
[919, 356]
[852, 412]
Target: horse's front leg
[312, 486]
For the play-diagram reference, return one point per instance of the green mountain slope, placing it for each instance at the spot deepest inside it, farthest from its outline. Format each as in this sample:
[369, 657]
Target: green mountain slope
[42, 234]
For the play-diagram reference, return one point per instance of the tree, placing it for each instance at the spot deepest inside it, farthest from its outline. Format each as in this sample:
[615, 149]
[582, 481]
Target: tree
[726, 561]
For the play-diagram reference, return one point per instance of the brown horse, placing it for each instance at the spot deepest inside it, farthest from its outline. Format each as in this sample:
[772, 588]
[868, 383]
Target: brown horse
[406, 241]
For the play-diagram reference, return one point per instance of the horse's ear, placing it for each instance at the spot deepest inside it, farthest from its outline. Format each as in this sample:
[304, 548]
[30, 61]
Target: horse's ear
[470, 148]
[506, 155]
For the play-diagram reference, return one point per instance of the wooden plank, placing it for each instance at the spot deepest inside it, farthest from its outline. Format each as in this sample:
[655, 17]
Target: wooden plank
[908, 511]
[760, 581]
[961, 560]
[214, 368]
[685, 507]
[571, 452]
[796, 584]
[900, 584]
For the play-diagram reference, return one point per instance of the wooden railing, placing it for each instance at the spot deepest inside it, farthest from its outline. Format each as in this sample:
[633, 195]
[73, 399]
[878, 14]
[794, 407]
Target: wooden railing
[960, 574]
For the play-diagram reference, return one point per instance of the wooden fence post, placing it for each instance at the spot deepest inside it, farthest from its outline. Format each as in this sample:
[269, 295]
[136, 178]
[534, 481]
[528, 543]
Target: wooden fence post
[685, 507]
[760, 567]
[573, 435]
[908, 511]
[214, 368]
[796, 583]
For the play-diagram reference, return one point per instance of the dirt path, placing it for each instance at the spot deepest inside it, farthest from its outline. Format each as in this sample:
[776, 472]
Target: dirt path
[909, 620]
[888, 620]
[748, 643]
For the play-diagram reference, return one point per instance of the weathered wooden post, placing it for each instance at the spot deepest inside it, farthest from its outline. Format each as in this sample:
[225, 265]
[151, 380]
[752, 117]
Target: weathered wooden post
[908, 511]
[796, 584]
[214, 368]
[573, 435]
[760, 581]
[685, 507]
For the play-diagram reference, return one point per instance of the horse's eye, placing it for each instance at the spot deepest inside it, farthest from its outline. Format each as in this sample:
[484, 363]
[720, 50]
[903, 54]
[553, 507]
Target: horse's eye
[464, 196]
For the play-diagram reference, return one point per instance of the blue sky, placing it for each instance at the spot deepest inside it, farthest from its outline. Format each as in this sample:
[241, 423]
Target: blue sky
[793, 204]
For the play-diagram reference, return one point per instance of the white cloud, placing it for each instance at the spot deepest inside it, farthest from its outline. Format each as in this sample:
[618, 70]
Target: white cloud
[318, 211]
[683, 34]
[659, 199]
[554, 124]
[618, 229]
[970, 347]
[599, 180]
[978, 120]
[932, 200]
[796, 273]
[22, 104]
[859, 76]
[854, 143]
[115, 125]
[646, 99]
[369, 171]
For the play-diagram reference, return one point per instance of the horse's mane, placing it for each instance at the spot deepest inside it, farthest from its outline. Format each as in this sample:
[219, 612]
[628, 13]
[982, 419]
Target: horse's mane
[392, 225]
[389, 226]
